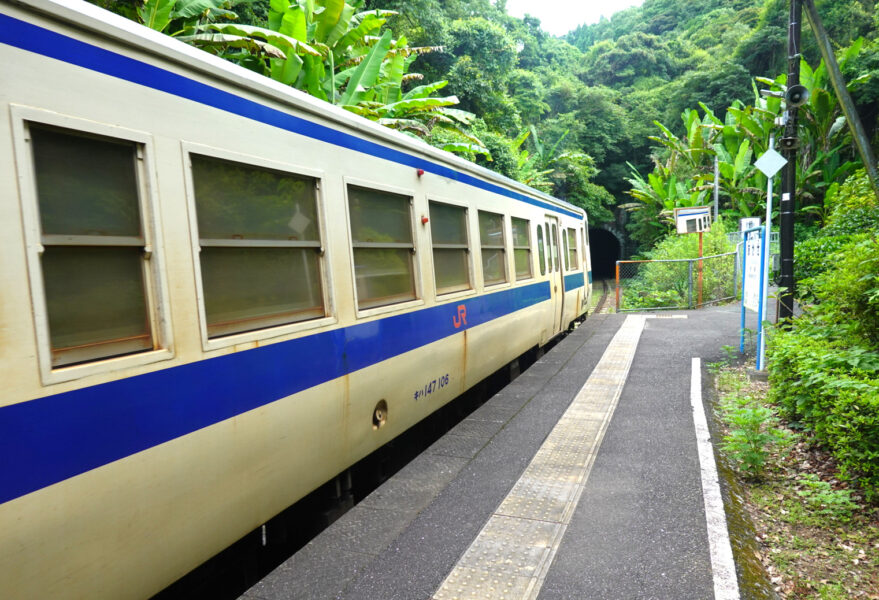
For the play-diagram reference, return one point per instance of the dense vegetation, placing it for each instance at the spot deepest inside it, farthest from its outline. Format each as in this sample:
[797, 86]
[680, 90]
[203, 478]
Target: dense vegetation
[825, 370]
[574, 116]
[625, 115]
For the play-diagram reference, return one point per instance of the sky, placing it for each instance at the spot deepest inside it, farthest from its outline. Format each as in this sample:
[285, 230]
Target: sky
[558, 17]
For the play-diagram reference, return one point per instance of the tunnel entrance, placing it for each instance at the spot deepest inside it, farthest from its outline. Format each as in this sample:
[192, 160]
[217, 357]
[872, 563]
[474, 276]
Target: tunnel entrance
[605, 248]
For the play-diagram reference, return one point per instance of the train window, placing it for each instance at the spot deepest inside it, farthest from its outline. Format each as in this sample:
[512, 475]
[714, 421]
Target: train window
[522, 247]
[541, 250]
[448, 231]
[491, 238]
[94, 272]
[565, 254]
[554, 248]
[381, 236]
[259, 241]
[573, 262]
[586, 257]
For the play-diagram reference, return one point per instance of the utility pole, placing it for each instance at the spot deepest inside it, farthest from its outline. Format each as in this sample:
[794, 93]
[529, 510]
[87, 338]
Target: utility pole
[845, 99]
[789, 144]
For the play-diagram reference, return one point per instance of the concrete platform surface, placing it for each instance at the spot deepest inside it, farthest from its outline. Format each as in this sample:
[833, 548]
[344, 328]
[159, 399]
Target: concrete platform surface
[636, 530]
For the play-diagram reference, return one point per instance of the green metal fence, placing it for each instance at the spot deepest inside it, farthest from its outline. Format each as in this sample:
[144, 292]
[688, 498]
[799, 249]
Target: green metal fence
[676, 284]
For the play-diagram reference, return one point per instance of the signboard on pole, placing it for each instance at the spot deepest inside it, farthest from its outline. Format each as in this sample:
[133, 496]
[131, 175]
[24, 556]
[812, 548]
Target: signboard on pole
[753, 271]
[693, 219]
[746, 223]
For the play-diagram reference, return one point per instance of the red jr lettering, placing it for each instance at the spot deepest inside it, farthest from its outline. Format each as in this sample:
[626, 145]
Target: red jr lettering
[461, 317]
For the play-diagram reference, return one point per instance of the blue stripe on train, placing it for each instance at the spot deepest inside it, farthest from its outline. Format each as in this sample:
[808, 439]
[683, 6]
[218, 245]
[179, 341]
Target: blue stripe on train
[47, 440]
[574, 280]
[54, 45]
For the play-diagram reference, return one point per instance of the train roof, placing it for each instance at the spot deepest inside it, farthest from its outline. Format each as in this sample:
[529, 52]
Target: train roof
[94, 19]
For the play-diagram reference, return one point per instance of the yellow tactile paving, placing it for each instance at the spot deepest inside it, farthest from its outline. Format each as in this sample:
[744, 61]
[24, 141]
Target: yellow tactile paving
[510, 557]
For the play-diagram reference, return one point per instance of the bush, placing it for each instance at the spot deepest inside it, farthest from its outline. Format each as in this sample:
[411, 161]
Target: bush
[855, 208]
[660, 285]
[813, 257]
[753, 431]
[805, 231]
[824, 372]
[850, 291]
[834, 392]
[863, 219]
[856, 192]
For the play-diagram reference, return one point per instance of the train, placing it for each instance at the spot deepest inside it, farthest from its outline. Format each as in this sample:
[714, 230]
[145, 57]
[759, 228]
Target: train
[217, 293]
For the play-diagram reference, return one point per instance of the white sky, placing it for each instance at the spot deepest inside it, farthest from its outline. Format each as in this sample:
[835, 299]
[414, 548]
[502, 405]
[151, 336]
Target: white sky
[558, 17]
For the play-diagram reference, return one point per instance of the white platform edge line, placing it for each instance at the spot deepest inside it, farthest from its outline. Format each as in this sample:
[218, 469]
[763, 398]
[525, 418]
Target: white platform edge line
[723, 568]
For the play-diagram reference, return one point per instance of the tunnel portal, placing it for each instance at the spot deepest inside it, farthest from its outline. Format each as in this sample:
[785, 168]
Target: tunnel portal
[605, 248]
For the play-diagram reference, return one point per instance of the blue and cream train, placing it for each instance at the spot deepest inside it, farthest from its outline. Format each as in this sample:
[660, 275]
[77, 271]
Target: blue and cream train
[217, 293]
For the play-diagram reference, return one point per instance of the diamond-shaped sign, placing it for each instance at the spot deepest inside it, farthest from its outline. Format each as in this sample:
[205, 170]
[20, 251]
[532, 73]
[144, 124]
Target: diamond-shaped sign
[298, 222]
[770, 163]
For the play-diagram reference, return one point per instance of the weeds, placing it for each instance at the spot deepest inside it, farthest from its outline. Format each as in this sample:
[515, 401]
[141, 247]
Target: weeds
[753, 432]
[823, 499]
[752, 428]
[731, 354]
[810, 527]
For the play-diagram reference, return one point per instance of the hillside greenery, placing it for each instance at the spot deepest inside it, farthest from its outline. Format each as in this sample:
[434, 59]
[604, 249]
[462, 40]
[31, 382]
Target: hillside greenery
[624, 118]
[594, 117]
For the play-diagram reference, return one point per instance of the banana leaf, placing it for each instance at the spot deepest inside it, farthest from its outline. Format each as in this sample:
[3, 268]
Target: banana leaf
[366, 73]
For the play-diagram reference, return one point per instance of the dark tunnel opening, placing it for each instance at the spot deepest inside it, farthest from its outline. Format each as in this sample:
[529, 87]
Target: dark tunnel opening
[605, 248]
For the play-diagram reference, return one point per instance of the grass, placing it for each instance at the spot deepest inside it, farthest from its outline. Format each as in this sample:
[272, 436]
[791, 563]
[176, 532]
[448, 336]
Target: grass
[818, 538]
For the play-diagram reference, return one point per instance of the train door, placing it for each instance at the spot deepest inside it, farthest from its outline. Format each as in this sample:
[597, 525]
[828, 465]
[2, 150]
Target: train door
[587, 265]
[556, 280]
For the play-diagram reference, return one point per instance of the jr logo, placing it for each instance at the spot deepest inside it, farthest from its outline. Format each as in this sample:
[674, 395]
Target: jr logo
[461, 317]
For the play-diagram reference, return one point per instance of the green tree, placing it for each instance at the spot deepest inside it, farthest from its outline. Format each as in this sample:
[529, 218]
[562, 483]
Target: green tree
[630, 58]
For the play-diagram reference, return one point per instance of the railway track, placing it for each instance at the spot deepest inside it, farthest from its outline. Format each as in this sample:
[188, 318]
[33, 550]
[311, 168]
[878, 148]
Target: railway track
[603, 305]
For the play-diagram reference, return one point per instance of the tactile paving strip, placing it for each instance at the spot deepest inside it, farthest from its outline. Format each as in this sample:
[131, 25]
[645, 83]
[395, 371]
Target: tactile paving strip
[510, 557]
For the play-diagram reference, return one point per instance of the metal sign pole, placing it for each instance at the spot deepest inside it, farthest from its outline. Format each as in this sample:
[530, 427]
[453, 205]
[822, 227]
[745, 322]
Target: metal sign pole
[744, 276]
[699, 304]
[716, 188]
[764, 283]
[760, 313]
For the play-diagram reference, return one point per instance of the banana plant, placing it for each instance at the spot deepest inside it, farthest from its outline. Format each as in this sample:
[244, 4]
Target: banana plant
[529, 171]
[663, 191]
[549, 165]
[330, 49]
[740, 181]
[184, 15]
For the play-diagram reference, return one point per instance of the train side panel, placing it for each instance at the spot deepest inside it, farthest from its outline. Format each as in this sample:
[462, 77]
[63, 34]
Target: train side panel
[125, 473]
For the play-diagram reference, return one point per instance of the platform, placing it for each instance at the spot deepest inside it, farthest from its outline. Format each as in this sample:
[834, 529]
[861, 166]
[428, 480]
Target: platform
[580, 479]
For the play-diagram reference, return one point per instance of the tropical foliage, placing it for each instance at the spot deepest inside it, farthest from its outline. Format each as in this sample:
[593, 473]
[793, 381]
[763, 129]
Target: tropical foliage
[674, 282]
[466, 76]
[626, 118]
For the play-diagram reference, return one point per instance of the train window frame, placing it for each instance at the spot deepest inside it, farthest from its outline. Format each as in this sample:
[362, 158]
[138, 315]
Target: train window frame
[362, 313]
[471, 268]
[506, 232]
[541, 250]
[572, 252]
[324, 258]
[565, 255]
[156, 296]
[587, 259]
[527, 247]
